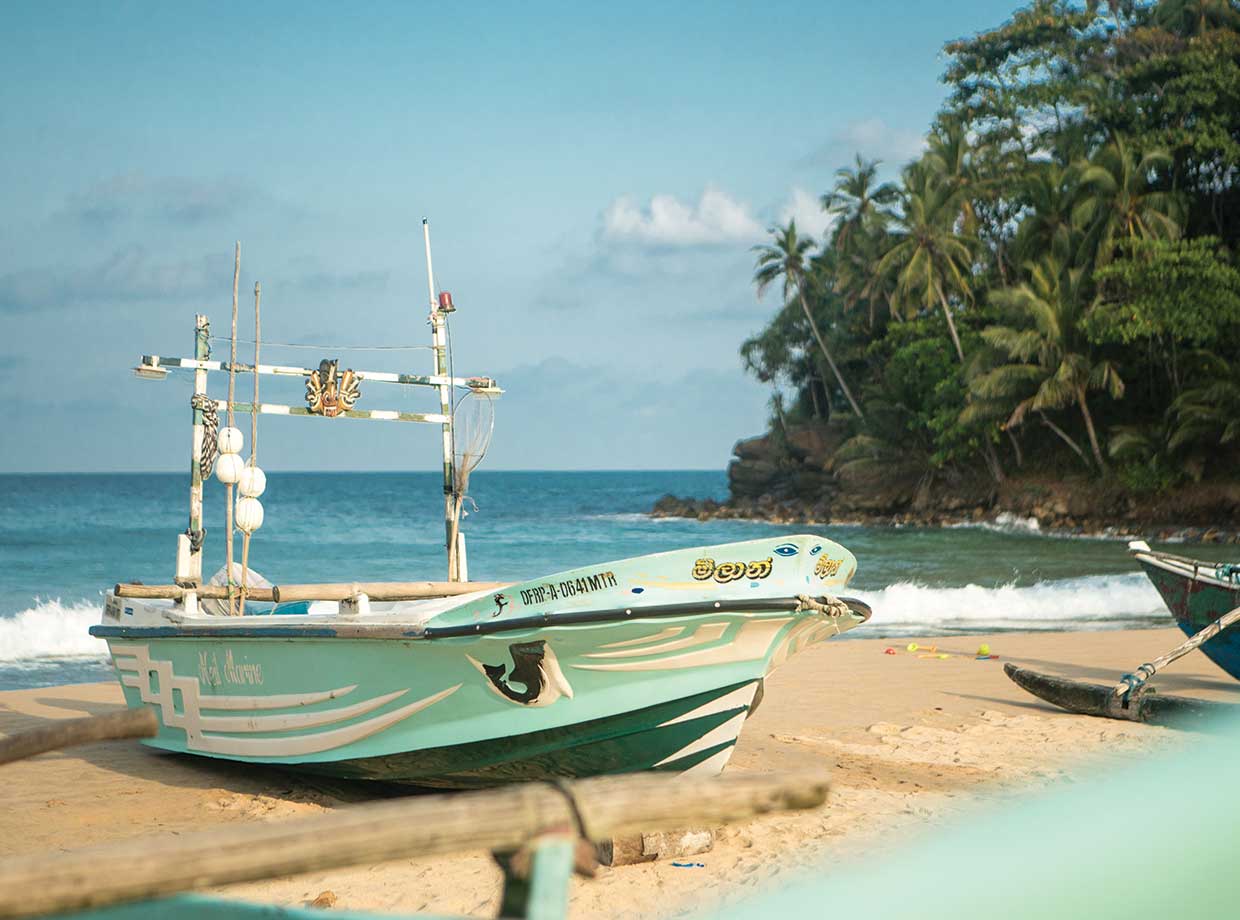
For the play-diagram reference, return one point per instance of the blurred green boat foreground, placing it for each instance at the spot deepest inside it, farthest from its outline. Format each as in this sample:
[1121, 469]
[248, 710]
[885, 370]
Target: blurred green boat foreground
[1143, 840]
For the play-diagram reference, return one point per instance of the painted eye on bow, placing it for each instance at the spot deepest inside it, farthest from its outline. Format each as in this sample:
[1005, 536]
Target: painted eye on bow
[813, 552]
[786, 549]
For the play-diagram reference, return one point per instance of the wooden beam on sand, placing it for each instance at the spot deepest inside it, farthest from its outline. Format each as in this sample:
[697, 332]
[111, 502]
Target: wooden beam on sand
[498, 820]
[333, 591]
[114, 726]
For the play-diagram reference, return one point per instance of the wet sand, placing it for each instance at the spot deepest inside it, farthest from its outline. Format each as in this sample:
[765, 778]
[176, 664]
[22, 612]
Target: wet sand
[910, 742]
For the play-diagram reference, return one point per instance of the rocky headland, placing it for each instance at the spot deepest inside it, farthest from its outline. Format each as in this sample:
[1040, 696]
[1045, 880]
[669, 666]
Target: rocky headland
[795, 479]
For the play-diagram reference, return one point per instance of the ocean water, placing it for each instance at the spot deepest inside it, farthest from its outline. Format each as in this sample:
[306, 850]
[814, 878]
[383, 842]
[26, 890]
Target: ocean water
[65, 538]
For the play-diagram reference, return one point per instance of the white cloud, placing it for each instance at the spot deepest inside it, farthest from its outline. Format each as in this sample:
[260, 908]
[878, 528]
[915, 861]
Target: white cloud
[716, 218]
[807, 211]
[874, 139]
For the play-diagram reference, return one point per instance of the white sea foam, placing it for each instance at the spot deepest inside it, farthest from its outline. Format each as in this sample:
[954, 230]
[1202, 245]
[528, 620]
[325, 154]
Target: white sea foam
[1089, 602]
[51, 629]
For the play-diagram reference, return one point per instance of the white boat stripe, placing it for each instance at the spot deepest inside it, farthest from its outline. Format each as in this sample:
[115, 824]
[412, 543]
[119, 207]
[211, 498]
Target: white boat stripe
[294, 720]
[318, 741]
[193, 723]
[728, 731]
[713, 765]
[668, 633]
[752, 641]
[707, 632]
[741, 696]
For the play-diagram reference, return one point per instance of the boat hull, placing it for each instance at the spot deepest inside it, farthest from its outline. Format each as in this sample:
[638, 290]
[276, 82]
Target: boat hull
[460, 713]
[691, 735]
[1196, 598]
[647, 663]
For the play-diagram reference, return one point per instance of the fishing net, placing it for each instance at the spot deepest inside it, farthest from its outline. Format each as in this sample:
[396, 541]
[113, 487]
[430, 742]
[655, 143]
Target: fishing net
[473, 422]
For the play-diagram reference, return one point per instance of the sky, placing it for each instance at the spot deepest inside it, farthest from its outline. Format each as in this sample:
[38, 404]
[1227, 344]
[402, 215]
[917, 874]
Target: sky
[595, 178]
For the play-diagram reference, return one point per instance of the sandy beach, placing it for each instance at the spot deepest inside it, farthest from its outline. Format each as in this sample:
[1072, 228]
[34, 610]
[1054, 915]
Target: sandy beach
[910, 742]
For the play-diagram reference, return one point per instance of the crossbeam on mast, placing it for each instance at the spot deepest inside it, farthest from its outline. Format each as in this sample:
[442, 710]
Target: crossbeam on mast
[485, 385]
[380, 415]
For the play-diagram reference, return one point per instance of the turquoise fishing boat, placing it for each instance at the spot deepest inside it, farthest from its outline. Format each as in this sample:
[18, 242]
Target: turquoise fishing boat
[647, 663]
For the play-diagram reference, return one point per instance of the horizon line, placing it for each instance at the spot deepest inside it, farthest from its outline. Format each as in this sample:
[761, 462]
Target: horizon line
[685, 469]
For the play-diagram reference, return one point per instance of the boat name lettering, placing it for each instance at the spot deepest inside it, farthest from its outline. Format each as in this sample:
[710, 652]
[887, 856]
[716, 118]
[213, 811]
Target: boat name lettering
[723, 572]
[827, 567]
[233, 672]
[554, 591]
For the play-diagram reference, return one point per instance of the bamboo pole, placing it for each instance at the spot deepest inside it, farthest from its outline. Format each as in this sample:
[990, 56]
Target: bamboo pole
[338, 591]
[128, 723]
[499, 820]
[1137, 678]
[229, 491]
[245, 542]
[384, 591]
[176, 592]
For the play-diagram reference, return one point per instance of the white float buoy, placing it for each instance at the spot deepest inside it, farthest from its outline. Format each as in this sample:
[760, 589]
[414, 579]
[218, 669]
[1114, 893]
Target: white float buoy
[253, 482]
[249, 514]
[230, 440]
[228, 468]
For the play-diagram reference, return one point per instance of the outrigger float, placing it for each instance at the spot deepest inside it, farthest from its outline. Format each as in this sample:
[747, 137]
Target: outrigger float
[1204, 599]
[647, 663]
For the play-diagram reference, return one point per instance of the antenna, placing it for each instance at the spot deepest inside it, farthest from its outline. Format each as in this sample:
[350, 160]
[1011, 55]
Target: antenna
[430, 270]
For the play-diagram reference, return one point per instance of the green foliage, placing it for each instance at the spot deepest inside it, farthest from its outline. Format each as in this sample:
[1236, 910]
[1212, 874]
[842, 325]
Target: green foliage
[1186, 290]
[1207, 412]
[1069, 228]
[920, 397]
[1147, 465]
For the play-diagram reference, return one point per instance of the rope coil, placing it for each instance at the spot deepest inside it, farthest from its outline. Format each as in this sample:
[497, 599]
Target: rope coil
[828, 605]
[210, 432]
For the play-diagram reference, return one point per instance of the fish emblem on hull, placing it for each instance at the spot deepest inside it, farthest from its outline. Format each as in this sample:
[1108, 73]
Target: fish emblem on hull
[535, 678]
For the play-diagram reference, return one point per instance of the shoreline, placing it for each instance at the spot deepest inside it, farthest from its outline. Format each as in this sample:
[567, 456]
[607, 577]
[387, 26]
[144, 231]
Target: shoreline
[770, 511]
[911, 742]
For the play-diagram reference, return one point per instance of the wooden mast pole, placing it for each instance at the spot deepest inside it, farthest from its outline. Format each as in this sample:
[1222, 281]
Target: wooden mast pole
[258, 337]
[232, 387]
[439, 340]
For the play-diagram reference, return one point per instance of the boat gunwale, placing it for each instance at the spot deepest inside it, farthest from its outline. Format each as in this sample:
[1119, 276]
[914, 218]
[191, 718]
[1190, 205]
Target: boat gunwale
[407, 632]
[1198, 570]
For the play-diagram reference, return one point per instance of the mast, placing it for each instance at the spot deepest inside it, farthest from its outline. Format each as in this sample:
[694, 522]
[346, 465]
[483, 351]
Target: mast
[189, 544]
[439, 340]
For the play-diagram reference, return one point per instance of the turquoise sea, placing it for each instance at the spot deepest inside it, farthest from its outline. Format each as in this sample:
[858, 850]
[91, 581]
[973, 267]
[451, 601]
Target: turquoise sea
[65, 538]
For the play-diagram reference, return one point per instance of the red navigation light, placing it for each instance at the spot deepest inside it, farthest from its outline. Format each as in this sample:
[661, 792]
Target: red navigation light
[445, 302]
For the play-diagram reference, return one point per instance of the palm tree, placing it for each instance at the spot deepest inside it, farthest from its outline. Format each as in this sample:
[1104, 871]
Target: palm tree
[858, 199]
[1118, 201]
[1206, 412]
[1050, 190]
[948, 156]
[1049, 350]
[785, 260]
[930, 260]
[859, 239]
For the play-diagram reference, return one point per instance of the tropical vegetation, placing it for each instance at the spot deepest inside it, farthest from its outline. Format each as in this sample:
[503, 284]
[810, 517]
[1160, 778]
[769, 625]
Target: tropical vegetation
[1053, 283]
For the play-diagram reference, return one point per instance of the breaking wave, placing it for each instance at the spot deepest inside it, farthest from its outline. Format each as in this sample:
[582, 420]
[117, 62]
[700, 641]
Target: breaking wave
[51, 629]
[1090, 602]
